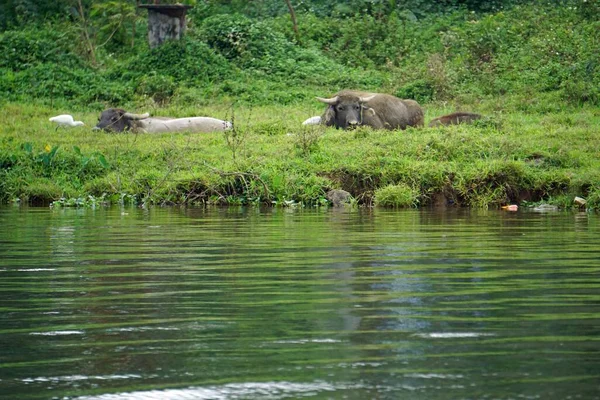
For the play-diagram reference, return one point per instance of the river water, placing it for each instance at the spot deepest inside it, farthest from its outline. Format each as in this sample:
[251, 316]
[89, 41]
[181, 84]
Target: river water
[194, 303]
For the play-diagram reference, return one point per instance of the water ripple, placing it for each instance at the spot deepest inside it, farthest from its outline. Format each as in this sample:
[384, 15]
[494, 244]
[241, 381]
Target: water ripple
[174, 303]
[57, 333]
[233, 391]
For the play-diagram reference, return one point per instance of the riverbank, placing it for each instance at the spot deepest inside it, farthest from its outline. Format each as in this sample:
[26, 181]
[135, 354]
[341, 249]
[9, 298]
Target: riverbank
[270, 158]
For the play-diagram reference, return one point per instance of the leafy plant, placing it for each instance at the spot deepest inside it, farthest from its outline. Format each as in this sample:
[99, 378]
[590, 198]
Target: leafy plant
[30, 47]
[186, 61]
[400, 195]
[235, 138]
[116, 20]
[419, 90]
[88, 202]
[307, 139]
[159, 87]
[47, 156]
[95, 156]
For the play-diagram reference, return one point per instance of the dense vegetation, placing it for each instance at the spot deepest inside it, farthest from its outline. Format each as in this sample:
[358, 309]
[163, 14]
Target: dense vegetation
[532, 67]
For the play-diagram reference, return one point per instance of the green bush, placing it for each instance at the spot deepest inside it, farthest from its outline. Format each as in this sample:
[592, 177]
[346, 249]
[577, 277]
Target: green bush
[23, 49]
[185, 61]
[40, 63]
[396, 196]
[159, 87]
[242, 39]
[257, 47]
[539, 48]
[419, 90]
[56, 81]
[348, 8]
[528, 52]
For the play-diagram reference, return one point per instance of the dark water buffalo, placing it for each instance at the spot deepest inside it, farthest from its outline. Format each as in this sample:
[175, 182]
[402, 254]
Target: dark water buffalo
[454, 119]
[119, 120]
[350, 108]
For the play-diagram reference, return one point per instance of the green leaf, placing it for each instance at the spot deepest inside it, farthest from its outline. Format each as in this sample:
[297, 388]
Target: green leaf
[53, 152]
[103, 161]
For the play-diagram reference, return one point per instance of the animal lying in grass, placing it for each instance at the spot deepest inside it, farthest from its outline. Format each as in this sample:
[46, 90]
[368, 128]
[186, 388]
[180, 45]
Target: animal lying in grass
[351, 108]
[313, 121]
[119, 120]
[454, 119]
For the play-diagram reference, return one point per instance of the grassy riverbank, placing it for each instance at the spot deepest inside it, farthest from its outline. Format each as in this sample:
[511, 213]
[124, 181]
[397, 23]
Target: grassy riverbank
[531, 67]
[508, 158]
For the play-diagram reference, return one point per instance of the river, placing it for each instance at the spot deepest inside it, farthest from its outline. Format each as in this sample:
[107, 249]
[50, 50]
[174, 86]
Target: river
[234, 303]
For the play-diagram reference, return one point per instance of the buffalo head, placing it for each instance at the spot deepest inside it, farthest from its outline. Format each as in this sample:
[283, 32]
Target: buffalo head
[346, 110]
[118, 120]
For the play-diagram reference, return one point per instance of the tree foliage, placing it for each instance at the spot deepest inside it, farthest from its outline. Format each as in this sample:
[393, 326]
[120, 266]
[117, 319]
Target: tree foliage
[95, 52]
[116, 21]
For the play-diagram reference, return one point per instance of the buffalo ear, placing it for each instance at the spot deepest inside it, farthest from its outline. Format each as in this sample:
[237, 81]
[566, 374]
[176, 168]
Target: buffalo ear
[369, 110]
[129, 124]
[329, 117]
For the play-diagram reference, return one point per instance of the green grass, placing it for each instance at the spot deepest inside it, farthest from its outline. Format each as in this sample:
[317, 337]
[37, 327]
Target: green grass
[510, 157]
[531, 68]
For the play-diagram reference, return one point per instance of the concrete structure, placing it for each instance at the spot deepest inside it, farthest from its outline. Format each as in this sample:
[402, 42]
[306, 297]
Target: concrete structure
[165, 22]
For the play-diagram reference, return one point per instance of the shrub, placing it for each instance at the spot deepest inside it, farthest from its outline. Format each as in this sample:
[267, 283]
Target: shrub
[29, 47]
[258, 47]
[41, 63]
[184, 61]
[419, 90]
[524, 49]
[161, 88]
[406, 48]
[400, 195]
[54, 81]
[241, 39]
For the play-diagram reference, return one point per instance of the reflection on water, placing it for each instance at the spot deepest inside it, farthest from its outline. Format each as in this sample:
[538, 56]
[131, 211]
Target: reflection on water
[273, 304]
[232, 391]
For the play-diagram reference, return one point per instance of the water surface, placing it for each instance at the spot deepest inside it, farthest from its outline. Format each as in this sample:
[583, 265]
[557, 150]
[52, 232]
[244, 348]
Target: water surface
[180, 303]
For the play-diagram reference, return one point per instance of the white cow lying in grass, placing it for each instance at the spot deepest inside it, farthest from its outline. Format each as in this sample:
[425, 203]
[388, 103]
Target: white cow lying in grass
[313, 121]
[118, 120]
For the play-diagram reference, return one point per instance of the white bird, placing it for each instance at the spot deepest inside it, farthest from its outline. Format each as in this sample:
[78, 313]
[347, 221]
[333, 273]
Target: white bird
[312, 121]
[65, 120]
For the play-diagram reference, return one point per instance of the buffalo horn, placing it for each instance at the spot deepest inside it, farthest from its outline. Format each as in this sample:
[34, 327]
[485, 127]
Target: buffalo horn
[367, 99]
[136, 116]
[333, 101]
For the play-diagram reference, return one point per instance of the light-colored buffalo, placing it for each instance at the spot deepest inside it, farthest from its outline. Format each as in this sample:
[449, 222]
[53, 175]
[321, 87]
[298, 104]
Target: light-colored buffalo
[118, 120]
[313, 121]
